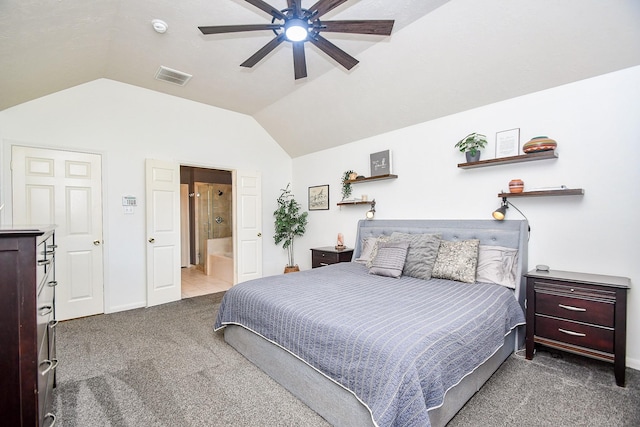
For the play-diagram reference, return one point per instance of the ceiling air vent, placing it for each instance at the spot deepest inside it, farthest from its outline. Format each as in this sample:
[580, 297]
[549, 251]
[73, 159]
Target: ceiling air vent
[172, 76]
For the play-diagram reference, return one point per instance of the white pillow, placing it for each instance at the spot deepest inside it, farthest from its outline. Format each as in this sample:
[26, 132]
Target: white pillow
[497, 264]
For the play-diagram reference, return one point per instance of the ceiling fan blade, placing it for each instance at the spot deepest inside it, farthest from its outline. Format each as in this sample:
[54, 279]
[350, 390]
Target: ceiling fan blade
[324, 6]
[219, 29]
[377, 27]
[342, 57]
[299, 61]
[264, 51]
[267, 8]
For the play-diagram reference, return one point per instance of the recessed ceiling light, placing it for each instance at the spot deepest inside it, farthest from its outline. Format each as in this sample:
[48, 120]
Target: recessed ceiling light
[159, 25]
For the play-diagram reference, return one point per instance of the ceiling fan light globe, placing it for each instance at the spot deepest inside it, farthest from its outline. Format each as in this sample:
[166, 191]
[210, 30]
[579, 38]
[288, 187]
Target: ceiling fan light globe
[296, 30]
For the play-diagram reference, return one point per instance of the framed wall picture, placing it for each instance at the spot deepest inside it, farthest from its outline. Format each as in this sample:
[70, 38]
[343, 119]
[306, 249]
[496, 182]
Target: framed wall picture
[319, 198]
[508, 143]
[380, 163]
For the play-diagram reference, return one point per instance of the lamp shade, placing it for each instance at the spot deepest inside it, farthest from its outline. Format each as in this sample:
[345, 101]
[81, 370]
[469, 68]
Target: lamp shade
[500, 213]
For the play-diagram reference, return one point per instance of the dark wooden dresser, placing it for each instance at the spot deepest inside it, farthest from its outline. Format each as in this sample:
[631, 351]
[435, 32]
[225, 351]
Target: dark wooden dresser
[27, 326]
[329, 255]
[585, 314]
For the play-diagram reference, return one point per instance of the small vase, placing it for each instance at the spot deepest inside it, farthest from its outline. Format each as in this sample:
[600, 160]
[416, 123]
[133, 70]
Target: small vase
[470, 158]
[516, 186]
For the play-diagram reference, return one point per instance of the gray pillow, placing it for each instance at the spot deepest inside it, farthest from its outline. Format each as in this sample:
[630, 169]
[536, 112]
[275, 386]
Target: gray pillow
[497, 264]
[457, 260]
[374, 250]
[390, 259]
[423, 250]
[366, 249]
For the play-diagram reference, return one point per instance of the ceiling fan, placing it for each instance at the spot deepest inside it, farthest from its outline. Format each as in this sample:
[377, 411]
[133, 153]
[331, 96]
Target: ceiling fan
[298, 26]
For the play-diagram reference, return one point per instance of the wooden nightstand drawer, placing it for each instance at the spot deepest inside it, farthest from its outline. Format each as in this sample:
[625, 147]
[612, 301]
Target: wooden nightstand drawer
[579, 309]
[581, 334]
[329, 255]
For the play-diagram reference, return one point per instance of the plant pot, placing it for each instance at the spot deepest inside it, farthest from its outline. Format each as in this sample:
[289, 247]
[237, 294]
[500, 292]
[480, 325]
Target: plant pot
[471, 158]
[291, 269]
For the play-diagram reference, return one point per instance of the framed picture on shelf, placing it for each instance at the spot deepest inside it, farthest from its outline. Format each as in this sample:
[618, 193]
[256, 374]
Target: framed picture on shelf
[380, 163]
[508, 143]
[319, 198]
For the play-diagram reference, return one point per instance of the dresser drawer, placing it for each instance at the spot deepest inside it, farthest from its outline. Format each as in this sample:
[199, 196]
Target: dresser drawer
[44, 309]
[579, 334]
[579, 309]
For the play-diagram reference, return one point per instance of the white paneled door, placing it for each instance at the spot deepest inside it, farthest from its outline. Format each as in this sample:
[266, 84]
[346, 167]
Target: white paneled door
[163, 232]
[249, 225]
[65, 188]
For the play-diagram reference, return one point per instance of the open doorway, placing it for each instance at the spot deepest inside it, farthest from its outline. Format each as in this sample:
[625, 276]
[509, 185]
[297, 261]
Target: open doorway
[206, 230]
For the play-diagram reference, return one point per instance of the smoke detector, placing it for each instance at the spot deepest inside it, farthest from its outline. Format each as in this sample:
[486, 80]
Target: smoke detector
[159, 25]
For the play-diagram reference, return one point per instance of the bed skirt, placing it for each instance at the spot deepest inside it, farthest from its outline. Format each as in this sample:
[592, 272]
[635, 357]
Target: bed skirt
[333, 402]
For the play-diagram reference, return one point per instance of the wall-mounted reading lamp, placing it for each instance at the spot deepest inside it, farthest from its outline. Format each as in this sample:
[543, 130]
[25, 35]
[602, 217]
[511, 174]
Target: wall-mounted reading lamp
[371, 212]
[500, 213]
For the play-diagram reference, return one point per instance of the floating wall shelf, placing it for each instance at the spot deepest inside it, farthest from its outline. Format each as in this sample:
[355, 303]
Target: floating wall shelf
[371, 178]
[565, 192]
[355, 202]
[543, 155]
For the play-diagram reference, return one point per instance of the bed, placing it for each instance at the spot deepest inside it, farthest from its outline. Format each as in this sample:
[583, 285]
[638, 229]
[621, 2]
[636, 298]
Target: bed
[366, 349]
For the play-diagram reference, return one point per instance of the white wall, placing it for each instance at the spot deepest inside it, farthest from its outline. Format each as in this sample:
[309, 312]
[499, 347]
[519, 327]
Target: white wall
[596, 125]
[127, 124]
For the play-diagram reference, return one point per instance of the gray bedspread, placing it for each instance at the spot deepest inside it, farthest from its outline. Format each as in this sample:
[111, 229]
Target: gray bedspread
[397, 344]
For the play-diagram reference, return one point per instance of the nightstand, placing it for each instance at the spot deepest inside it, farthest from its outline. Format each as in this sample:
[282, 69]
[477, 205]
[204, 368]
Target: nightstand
[329, 255]
[581, 313]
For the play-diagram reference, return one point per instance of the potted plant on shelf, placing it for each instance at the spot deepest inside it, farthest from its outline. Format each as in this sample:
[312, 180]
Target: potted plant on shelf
[471, 145]
[290, 222]
[346, 186]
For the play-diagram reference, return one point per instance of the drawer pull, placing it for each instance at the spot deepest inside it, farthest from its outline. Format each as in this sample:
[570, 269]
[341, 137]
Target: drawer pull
[53, 324]
[323, 263]
[45, 310]
[52, 417]
[569, 307]
[52, 283]
[42, 262]
[574, 334]
[53, 364]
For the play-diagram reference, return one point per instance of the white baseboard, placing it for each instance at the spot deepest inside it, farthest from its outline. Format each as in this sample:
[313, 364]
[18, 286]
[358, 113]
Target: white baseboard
[633, 363]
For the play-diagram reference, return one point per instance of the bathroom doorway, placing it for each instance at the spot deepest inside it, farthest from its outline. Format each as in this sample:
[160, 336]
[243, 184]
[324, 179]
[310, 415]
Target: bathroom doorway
[207, 231]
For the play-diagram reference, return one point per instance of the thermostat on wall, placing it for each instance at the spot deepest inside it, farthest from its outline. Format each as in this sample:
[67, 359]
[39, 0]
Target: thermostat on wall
[129, 201]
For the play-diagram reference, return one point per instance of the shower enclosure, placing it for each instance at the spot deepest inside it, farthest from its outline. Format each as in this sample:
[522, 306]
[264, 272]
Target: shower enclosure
[214, 224]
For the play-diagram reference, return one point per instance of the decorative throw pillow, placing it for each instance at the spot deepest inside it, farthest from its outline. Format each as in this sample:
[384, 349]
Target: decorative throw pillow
[497, 264]
[457, 260]
[374, 250]
[389, 259]
[423, 250]
[365, 249]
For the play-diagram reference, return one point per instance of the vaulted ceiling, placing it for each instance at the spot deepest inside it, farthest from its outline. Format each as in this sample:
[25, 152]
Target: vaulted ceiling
[444, 56]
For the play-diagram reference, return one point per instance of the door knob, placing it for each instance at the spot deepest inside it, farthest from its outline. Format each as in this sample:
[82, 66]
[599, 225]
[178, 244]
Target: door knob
[259, 234]
[96, 242]
[152, 240]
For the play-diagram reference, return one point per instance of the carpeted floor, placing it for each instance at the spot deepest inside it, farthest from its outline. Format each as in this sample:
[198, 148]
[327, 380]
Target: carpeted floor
[164, 366]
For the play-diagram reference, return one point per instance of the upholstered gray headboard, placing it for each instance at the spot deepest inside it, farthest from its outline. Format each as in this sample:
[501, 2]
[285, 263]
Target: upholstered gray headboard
[510, 233]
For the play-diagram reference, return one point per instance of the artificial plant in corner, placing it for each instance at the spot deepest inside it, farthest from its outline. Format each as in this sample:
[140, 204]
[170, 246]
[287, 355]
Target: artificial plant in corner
[290, 222]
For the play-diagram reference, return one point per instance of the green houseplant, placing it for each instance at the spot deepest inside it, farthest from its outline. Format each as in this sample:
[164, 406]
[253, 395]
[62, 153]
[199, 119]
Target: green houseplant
[471, 145]
[290, 222]
[346, 186]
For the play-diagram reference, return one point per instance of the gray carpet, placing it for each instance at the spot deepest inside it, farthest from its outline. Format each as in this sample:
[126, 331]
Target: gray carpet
[164, 366]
